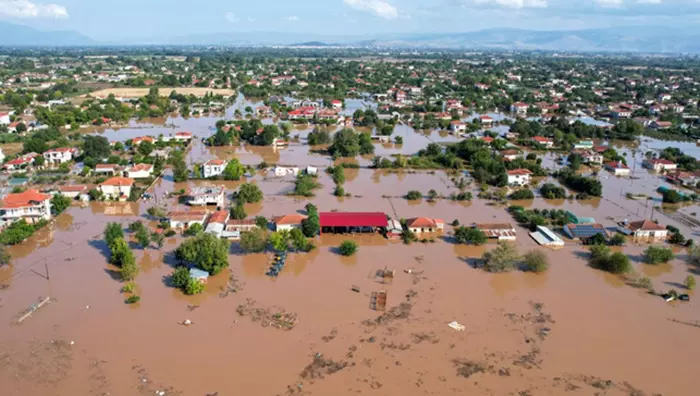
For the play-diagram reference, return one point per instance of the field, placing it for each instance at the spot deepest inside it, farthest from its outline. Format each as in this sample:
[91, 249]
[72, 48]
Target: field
[138, 92]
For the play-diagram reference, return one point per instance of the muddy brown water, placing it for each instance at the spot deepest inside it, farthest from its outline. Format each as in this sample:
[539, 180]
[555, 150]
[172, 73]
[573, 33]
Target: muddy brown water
[591, 327]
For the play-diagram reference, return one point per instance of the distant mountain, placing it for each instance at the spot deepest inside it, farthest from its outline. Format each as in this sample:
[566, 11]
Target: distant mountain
[312, 44]
[12, 35]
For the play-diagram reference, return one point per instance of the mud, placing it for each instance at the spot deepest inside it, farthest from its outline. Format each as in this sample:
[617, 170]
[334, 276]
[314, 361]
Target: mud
[572, 329]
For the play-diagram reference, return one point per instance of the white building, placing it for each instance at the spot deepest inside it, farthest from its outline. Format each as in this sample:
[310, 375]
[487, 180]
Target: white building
[30, 205]
[645, 230]
[420, 225]
[213, 168]
[617, 168]
[60, 155]
[659, 165]
[116, 188]
[139, 171]
[209, 195]
[288, 222]
[186, 219]
[5, 118]
[519, 177]
[108, 169]
[281, 171]
[2, 156]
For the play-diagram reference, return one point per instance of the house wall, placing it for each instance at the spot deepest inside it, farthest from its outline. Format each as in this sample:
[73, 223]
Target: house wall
[287, 227]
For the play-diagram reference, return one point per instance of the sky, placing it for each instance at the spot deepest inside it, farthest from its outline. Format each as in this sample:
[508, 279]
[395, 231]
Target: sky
[122, 19]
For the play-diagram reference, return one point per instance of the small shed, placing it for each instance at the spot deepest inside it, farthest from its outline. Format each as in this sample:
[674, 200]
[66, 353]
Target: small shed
[199, 275]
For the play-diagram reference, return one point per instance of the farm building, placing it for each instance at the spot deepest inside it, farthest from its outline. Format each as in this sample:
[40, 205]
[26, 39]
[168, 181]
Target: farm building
[345, 222]
[501, 232]
[545, 237]
[584, 231]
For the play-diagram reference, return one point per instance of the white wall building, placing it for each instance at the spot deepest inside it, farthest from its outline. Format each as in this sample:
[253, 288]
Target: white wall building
[213, 168]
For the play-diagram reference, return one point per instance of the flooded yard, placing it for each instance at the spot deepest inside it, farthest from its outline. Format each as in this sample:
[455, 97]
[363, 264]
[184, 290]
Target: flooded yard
[572, 329]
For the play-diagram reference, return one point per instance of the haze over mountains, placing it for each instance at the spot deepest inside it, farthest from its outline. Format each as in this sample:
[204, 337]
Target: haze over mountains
[624, 39]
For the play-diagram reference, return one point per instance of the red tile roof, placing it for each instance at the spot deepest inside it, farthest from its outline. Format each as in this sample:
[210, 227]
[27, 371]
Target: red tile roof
[353, 219]
[219, 217]
[288, 219]
[424, 222]
[73, 188]
[26, 198]
[215, 162]
[118, 181]
[645, 225]
[519, 172]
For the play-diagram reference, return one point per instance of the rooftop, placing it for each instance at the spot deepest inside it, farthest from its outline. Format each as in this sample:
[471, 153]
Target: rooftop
[26, 198]
[353, 219]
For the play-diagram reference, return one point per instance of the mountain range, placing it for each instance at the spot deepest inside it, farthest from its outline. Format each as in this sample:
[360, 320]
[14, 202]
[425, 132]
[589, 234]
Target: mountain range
[647, 39]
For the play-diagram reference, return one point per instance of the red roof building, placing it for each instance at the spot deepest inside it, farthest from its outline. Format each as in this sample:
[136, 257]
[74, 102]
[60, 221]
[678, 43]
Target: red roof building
[352, 219]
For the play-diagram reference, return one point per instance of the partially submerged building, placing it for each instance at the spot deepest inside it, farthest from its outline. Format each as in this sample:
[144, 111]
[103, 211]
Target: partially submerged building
[30, 205]
[498, 231]
[207, 195]
[348, 222]
[584, 231]
[186, 219]
[644, 231]
[546, 237]
[420, 225]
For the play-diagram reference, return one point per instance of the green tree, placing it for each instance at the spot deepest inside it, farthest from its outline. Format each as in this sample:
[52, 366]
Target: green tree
[206, 252]
[338, 175]
[616, 263]
[501, 259]
[657, 255]
[311, 225]
[348, 248]
[158, 238]
[120, 252]
[194, 230]
[136, 226]
[254, 241]
[179, 277]
[280, 240]
[156, 212]
[249, 193]
[95, 146]
[145, 148]
[59, 203]
[305, 185]
[346, 143]
[143, 237]
[238, 211]
[193, 287]
[414, 195]
[234, 170]
[536, 261]
[113, 231]
[299, 241]
[261, 222]
[129, 269]
[470, 236]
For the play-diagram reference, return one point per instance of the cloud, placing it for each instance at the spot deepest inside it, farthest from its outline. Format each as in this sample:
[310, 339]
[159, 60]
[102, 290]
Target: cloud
[293, 18]
[610, 3]
[379, 8]
[231, 17]
[515, 3]
[251, 19]
[27, 9]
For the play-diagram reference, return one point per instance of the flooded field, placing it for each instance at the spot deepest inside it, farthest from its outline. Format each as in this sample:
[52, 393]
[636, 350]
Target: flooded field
[571, 330]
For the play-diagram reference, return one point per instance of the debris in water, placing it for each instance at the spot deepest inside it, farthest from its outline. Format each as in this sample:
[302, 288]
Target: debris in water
[456, 325]
[33, 308]
[275, 317]
[186, 322]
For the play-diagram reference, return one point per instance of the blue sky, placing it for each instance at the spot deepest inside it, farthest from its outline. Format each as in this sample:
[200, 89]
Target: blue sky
[109, 20]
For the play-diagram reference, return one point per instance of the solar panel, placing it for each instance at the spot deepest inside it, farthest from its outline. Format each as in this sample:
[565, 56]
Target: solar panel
[586, 231]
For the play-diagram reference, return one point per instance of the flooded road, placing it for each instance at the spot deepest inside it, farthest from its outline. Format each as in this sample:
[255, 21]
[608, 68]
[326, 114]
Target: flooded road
[570, 329]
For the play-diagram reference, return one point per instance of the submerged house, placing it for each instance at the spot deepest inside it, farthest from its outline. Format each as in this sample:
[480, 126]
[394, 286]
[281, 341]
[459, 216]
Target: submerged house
[498, 231]
[584, 231]
[30, 205]
[545, 237]
[644, 230]
[208, 195]
[420, 225]
[186, 219]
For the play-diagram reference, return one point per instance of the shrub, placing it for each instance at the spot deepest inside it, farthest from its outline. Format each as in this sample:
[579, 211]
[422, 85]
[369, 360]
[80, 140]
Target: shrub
[690, 282]
[194, 230]
[552, 191]
[206, 252]
[615, 263]
[639, 281]
[261, 222]
[348, 248]
[170, 233]
[132, 299]
[136, 226]
[179, 277]
[143, 237]
[470, 236]
[677, 238]
[536, 261]
[17, 232]
[249, 193]
[522, 194]
[129, 287]
[657, 255]
[193, 287]
[254, 241]
[414, 195]
[305, 186]
[59, 203]
[501, 259]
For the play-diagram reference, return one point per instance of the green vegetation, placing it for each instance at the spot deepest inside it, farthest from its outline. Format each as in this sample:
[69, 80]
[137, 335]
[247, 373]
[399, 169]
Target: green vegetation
[233, 170]
[347, 248]
[249, 193]
[280, 240]
[206, 252]
[254, 241]
[136, 226]
[305, 185]
[414, 195]
[5, 257]
[143, 236]
[238, 211]
[690, 282]
[132, 299]
[156, 212]
[112, 232]
[602, 259]
[536, 261]
[501, 259]
[470, 236]
[180, 171]
[158, 238]
[261, 222]
[674, 197]
[300, 242]
[585, 186]
[525, 193]
[552, 191]
[348, 143]
[193, 287]
[180, 278]
[311, 225]
[657, 255]
[19, 231]
[194, 230]
[129, 287]
[318, 136]
[59, 203]
[538, 217]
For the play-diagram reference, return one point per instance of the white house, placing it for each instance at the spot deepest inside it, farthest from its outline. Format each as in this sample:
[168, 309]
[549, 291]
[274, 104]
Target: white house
[186, 219]
[645, 230]
[72, 191]
[108, 169]
[519, 177]
[659, 165]
[139, 171]
[20, 162]
[617, 168]
[213, 168]
[207, 195]
[30, 205]
[60, 155]
[117, 187]
[519, 108]
[499, 231]
[2, 156]
[288, 222]
[420, 225]
[5, 118]
[458, 127]
[546, 142]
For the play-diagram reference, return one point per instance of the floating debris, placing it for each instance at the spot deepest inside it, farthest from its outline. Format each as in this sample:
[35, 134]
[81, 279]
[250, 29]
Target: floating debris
[274, 317]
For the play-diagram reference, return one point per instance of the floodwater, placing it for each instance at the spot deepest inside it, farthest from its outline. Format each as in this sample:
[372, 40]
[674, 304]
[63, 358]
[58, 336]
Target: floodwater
[572, 328]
